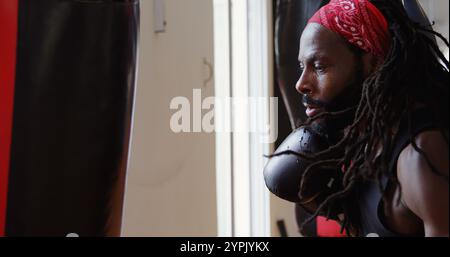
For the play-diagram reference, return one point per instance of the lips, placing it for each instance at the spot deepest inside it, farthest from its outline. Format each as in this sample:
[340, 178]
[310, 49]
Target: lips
[312, 111]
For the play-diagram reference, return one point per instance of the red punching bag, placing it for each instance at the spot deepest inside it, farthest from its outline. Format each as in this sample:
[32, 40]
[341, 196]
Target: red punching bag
[67, 77]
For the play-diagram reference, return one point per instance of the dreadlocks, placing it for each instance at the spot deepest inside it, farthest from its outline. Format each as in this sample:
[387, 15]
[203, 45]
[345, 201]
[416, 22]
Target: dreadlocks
[414, 71]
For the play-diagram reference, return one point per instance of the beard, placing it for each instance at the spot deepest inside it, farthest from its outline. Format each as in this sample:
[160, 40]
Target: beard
[332, 127]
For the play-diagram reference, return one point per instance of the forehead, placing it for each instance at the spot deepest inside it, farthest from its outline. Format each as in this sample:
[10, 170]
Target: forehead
[318, 41]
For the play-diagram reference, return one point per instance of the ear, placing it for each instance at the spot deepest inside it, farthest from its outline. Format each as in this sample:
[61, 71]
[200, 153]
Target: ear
[370, 64]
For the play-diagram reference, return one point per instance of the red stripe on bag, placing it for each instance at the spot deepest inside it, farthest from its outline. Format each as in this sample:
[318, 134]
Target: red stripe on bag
[8, 44]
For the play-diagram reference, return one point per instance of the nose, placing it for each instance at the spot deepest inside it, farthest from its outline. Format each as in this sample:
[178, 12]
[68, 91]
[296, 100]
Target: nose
[304, 85]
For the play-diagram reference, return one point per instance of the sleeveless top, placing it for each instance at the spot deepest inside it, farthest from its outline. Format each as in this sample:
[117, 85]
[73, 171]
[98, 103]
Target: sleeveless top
[369, 196]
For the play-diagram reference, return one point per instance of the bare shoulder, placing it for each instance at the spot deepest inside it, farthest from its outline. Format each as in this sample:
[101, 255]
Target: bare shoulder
[425, 189]
[434, 146]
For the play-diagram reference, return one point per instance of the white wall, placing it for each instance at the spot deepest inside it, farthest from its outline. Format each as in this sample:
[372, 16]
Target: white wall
[170, 189]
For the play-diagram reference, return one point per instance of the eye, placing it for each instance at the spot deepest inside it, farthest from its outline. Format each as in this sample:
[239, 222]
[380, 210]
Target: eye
[301, 67]
[319, 67]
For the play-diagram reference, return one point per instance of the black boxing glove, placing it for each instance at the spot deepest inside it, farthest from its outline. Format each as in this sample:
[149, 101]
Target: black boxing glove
[283, 172]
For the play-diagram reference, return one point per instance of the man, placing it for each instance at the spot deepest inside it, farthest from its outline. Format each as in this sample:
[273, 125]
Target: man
[378, 86]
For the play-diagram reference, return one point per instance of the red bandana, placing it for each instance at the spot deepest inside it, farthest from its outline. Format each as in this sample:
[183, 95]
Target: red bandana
[359, 22]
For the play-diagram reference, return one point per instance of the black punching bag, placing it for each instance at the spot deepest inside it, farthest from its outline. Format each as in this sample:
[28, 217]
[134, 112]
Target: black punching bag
[67, 83]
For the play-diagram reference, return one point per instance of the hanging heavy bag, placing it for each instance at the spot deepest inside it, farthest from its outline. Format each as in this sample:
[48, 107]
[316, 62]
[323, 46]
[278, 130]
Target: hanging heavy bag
[67, 115]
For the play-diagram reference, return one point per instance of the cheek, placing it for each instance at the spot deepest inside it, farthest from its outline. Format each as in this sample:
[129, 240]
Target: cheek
[331, 84]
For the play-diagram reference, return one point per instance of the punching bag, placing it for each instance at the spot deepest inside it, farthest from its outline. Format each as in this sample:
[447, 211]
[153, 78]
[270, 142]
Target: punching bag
[67, 78]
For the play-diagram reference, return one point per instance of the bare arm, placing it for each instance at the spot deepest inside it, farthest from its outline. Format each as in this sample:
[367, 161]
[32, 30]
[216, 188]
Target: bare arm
[423, 191]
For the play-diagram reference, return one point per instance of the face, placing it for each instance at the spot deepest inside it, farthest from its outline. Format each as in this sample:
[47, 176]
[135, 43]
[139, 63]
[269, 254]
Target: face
[330, 70]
